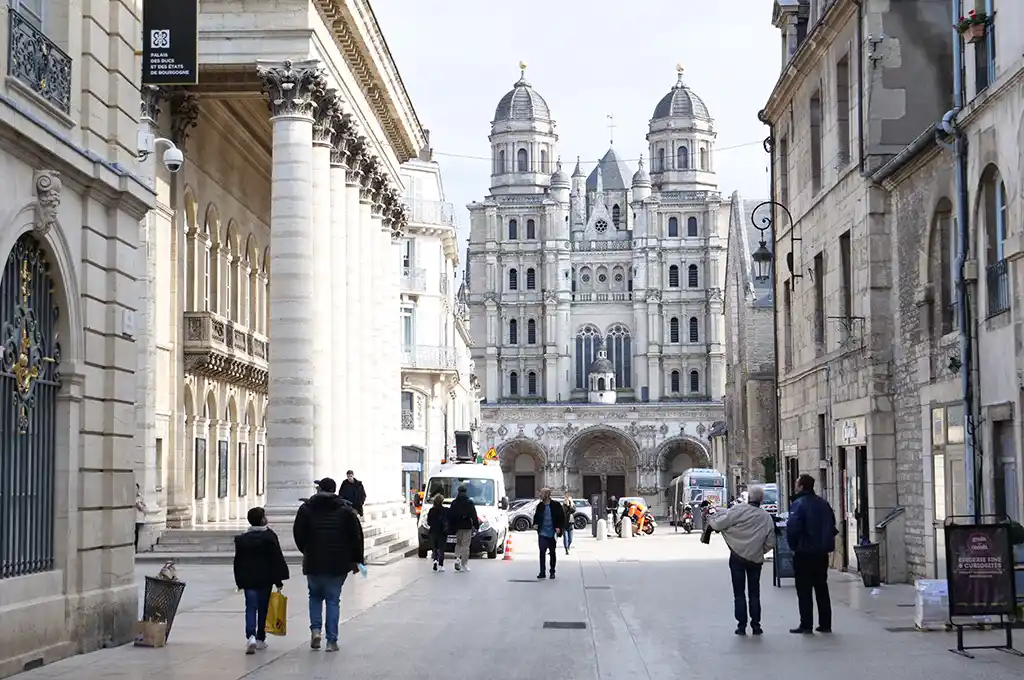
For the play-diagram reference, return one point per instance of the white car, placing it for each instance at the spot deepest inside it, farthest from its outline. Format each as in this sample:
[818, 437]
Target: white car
[522, 518]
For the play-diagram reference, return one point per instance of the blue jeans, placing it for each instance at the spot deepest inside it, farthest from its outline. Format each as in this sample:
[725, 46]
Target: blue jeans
[257, 602]
[746, 576]
[325, 593]
[567, 537]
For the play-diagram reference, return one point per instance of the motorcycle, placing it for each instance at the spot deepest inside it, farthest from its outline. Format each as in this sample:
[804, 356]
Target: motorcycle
[649, 524]
[687, 522]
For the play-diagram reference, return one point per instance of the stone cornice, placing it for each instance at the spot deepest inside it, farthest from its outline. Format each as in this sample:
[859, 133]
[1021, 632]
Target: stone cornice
[809, 54]
[361, 43]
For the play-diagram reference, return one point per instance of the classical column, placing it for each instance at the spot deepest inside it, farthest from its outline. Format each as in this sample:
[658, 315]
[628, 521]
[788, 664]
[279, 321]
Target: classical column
[340, 291]
[355, 244]
[327, 111]
[293, 89]
[397, 222]
[376, 382]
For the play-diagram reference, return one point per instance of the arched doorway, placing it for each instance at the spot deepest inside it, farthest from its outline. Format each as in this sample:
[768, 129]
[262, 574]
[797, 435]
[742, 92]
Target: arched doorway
[677, 455]
[29, 382]
[602, 461]
[522, 461]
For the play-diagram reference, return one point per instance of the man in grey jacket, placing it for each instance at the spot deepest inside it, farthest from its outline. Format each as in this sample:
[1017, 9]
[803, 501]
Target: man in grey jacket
[749, 532]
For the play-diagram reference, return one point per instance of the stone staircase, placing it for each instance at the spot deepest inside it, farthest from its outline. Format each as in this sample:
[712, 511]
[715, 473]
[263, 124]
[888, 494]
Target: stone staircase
[386, 541]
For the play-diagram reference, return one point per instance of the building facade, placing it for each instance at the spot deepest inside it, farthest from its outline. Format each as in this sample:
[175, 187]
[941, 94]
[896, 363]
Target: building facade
[439, 387]
[273, 278]
[596, 303]
[73, 195]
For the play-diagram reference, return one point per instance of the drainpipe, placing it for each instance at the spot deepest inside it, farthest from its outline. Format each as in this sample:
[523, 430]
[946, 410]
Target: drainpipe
[860, 85]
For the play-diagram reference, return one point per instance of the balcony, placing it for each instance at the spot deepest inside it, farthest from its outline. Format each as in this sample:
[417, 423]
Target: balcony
[998, 285]
[414, 279]
[586, 246]
[218, 348]
[36, 62]
[430, 358]
[408, 419]
[624, 296]
[422, 211]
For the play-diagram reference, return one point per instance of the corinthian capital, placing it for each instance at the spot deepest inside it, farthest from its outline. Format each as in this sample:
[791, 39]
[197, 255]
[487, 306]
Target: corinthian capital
[388, 202]
[344, 133]
[355, 149]
[378, 188]
[294, 88]
[399, 221]
[328, 111]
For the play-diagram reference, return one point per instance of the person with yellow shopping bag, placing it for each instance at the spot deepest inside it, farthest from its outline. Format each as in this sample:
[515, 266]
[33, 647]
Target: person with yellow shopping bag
[259, 566]
[277, 614]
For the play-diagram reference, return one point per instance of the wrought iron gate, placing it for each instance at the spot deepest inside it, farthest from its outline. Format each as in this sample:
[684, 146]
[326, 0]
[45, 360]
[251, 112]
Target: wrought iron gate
[29, 380]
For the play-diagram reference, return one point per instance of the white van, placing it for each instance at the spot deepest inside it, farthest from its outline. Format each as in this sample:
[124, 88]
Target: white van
[485, 484]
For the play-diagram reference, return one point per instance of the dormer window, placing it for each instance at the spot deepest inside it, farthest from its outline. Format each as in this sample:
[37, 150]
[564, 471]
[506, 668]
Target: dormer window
[600, 226]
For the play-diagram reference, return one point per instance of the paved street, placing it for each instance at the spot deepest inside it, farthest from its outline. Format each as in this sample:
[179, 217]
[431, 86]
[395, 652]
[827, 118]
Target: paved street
[655, 608]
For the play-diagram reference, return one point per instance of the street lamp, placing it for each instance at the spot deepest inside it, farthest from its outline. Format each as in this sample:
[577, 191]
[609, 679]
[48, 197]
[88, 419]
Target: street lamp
[763, 257]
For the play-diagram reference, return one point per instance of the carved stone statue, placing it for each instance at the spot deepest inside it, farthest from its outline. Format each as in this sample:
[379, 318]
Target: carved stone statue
[48, 186]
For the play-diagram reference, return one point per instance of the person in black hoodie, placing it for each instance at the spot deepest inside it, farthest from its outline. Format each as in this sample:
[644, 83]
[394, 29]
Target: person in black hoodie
[463, 520]
[352, 490]
[438, 524]
[329, 535]
[259, 565]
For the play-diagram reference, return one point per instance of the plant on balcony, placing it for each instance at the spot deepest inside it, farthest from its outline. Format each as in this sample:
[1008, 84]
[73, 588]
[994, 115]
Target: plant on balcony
[972, 26]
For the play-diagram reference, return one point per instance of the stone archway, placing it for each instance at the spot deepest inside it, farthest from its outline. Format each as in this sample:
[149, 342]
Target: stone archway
[602, 461]
[678, 454]
[523, 463]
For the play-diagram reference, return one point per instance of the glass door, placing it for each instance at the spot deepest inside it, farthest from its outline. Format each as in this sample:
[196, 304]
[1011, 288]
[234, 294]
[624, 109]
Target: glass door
[939, 496]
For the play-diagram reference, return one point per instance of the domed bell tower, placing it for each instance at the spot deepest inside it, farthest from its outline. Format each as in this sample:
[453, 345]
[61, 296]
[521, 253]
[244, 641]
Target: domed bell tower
[682, 139]
[523, 141]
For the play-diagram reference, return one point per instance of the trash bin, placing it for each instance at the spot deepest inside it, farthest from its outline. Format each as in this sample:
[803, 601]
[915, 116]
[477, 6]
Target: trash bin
[161, 601]
[869, 563]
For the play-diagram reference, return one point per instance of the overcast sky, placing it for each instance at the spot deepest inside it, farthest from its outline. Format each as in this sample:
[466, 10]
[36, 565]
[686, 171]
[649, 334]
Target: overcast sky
[588, 59]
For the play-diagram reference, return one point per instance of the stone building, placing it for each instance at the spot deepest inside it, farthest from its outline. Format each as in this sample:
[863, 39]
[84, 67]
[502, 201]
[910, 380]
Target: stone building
[859, 83]
[562, 266]
[72, 199]
[439, 387]
[750, 415]
[271, 350]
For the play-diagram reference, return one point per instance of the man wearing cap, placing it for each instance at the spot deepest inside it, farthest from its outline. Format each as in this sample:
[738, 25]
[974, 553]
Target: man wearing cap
[329, 535]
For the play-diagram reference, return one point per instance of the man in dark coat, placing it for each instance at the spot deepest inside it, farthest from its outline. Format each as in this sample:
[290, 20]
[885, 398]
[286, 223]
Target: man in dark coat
[811, 533]
[352, 490]
[329, 535]
[549, 520]
[463, 520]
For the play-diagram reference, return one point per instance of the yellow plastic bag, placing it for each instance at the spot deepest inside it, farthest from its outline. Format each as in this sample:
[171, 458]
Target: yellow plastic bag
[277, 614]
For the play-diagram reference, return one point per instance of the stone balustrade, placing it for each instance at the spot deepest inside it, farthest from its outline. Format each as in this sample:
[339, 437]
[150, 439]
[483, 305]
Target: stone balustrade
[219, 348]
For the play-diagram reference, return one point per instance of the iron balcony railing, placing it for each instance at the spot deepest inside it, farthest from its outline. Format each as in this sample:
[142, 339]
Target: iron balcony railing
[408, 421]
[430, 357]
[998, 283]
[624, 296]
[423, 211]
[414, 279]
[36, 62]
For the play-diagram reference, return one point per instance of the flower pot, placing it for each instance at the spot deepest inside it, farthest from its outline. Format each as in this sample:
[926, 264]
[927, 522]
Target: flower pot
[974, 33]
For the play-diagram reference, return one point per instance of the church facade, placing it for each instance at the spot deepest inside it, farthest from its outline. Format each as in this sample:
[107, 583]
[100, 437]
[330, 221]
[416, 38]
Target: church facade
[596, 302]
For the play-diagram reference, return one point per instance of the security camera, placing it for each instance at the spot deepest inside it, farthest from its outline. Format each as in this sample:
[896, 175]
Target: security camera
[173, 159]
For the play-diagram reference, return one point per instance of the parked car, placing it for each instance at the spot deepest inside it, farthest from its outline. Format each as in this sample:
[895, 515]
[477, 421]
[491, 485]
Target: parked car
[521, 519]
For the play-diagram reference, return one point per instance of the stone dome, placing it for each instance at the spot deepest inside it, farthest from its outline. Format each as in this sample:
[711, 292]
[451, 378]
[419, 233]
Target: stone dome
[640, 177]
[602, 365]
[681, 102]
[522, 103]
[559, 178]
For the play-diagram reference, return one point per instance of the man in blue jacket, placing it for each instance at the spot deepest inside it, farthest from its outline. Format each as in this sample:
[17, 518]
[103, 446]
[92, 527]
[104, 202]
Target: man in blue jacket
[811, 533]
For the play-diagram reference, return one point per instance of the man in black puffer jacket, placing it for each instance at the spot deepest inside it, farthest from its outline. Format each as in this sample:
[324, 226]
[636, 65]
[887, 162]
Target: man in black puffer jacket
[329, 535]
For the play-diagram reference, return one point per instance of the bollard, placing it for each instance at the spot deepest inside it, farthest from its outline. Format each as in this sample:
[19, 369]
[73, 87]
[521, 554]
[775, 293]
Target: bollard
[602, 529]
[627, 527]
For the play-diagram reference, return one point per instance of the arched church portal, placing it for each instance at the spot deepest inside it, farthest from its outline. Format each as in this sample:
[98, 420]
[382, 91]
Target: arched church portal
[679, 454]
[602, 461]
[522, 461]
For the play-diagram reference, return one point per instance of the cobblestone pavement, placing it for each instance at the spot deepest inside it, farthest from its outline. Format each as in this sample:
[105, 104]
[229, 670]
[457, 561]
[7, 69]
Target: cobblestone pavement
[655, 607]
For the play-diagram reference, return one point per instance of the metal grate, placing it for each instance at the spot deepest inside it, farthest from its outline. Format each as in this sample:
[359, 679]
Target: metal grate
[566, 625]
[523, 580]
[597, 587]
[901, 629]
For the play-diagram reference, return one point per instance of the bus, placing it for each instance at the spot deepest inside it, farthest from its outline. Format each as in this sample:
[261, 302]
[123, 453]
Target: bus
[693, 486]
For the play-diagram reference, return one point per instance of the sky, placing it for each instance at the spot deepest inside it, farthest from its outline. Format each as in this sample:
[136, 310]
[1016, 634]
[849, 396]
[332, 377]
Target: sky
[588, 59]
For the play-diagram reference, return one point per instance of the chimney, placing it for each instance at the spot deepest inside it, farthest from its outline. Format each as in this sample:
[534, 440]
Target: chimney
[426, 153]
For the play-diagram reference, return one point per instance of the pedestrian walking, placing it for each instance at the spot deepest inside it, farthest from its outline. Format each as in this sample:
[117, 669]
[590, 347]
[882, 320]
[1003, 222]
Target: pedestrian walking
[569, 507]
[259, 566]
[438, 526]
[549, 520]
[749, 532]
[463, 520]
[353, 491]
[613, 508]
[329, 535]
[811, 532]
[140, 515]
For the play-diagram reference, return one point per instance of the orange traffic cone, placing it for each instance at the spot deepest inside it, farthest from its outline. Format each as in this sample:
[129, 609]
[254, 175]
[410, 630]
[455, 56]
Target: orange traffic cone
[508, 548]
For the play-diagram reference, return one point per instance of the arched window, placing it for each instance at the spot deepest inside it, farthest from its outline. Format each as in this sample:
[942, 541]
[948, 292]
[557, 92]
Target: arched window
[531, 279]
[691, 276]
[499, 168]
[683, 158]
[543, 160]
[513, 332]
[620, 352]
[531, 383]
[531, 332]
[616, 215]
[523, 161]
[673, 227]
[943, 255]
[600, 385]
[531, 230]
[694, 382]
[513, 384]
[661, 160]
[997, 283]
[587, 340]
[673, 329]
[513, 279]
[673, 382]
[703, 159]
[513, 230]
[673, 276]
[694, 335]
[691, 226]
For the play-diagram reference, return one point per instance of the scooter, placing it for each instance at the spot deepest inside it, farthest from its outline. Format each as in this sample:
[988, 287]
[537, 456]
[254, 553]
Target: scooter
[649, 524]
[687, 522]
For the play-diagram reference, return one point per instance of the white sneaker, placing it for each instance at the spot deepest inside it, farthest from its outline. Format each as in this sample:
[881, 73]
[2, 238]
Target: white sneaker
[250, 645]
[435, 565]
[465, 567]
[440, 569]
[261, 645]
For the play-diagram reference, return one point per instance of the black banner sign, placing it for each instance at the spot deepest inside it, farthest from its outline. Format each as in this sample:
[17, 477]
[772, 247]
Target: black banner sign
[170, 42]
[979, 570]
